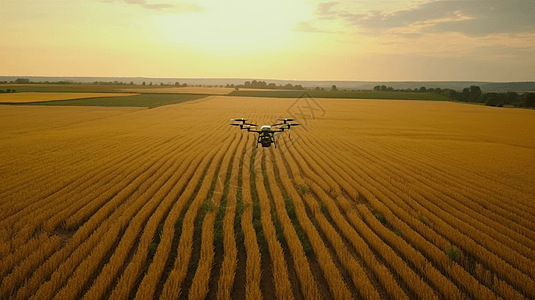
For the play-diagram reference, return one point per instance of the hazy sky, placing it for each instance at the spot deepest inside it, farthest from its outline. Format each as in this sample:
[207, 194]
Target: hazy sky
[376, 40]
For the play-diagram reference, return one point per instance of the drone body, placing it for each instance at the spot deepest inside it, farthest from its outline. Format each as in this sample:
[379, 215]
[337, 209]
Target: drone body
[266, 136]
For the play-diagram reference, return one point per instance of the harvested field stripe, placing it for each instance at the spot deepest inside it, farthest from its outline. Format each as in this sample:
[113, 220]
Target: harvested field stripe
[174, 282]
[229, 264]
[199, 286]
[283, 288]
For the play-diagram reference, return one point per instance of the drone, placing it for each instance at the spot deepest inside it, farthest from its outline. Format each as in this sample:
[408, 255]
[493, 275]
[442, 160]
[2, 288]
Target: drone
[266, 136]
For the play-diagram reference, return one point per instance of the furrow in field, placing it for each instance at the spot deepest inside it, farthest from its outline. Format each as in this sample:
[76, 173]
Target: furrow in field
[410, 255]
[411, 279]
[383, 274]
[439, 256]
[173, 284]
[283, 288]
[487, 192]
[230, 259]
[153, 197]
[307, 282]
[481, 199]
[356, 271]
[131, 272]
[100, 247]
[92, 229]
[421, 186]
[185, 188]
[199, 286]
[30, 182]
[253, 263]
[470, 239]
[47, 216]
[475, 179]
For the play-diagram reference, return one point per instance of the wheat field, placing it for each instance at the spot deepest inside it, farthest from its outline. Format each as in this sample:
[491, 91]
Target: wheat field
[367, 199]
[30, 97]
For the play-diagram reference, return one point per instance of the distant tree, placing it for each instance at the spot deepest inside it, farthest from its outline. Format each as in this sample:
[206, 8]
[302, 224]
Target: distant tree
[254, 83]
[289, 86]
[22, 81]
[450, 93]
[383, 88]
[431, 90]
[247, 83]
[317, 88]
[422, 89]
[474, 92]
[334, 88]
[530, 100]
[491, 102]
[465, 94]
[150, 83]
[322, 89]
[184, 85]
[271, 86]
[143, 83]
[498, 97]
[438, 90]
[232, 85]
[511, 97]
[377, 88]
[177, 84]
[161, 83]
[389, 89]
[131, 83]
[298, 87]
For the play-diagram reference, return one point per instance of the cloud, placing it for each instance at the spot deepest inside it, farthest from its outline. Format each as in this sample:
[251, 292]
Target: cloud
[177, 8]
[472, 17]
[306, 27]
[325, 12]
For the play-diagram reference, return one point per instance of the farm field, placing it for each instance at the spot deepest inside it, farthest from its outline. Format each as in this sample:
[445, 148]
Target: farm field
[366, 94]
[32, 97]
[367, 199]
[140, 100]
[180, 90]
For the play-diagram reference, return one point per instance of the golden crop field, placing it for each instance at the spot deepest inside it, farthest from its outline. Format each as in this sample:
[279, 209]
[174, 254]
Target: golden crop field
[367, 199]
[178, 90]
[27, 97]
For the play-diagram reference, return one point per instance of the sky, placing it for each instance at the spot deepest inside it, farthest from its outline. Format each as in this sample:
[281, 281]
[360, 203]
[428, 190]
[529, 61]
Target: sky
[367, 40]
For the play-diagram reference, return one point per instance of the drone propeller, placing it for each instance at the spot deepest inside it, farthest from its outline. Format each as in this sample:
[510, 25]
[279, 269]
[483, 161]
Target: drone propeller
[239, 120]
[286, 126]
[244, 125]
[285, 120]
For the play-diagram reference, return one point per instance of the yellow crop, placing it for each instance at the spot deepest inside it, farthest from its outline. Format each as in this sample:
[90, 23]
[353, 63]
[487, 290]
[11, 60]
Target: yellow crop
[99, 202]
[26, 97]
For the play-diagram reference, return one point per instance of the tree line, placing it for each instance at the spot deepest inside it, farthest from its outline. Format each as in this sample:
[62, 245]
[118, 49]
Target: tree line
[263, 85]
[473, 94]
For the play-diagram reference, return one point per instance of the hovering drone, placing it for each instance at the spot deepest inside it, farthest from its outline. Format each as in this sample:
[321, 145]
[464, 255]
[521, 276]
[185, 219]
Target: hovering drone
[266, 136]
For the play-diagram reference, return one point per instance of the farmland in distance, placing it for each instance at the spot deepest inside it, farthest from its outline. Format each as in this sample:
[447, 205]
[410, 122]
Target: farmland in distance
[367, 199]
